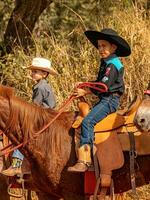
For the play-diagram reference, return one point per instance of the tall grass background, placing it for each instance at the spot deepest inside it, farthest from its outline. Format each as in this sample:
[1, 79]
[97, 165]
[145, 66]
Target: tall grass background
[76, 59]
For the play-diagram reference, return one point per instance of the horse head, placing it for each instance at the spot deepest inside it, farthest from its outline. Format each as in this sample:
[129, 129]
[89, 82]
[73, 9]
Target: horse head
[142, 117]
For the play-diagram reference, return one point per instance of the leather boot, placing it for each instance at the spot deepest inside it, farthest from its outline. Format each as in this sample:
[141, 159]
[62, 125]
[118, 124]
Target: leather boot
[84, 160]
[14, 169]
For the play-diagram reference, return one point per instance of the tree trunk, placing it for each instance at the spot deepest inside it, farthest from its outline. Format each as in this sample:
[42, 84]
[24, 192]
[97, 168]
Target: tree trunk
[22, 22]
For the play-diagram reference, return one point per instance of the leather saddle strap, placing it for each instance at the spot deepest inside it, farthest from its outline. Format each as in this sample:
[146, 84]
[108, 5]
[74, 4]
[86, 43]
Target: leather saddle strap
[95, 161]
[97, 172]
[132, 154]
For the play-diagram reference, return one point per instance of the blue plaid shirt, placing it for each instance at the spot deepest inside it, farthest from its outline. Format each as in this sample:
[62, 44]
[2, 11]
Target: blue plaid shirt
[43, 94]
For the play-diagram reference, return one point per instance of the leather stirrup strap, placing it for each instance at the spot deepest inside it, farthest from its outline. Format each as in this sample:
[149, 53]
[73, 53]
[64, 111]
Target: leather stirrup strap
[95, 161]
[112, 190]
[97, 172]
[132, 161]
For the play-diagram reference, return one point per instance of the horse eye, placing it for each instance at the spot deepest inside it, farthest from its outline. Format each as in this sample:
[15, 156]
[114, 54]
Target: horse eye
[142, 120]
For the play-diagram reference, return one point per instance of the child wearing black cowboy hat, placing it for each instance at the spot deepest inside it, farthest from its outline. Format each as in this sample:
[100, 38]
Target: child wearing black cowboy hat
[110, 46]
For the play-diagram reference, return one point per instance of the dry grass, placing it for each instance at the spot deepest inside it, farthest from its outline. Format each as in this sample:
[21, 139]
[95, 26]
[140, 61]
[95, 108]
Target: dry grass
[79, 61]
[142, 194]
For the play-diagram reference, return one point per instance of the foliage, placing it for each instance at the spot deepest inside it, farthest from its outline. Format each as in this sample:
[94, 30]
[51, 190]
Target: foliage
[58, 35]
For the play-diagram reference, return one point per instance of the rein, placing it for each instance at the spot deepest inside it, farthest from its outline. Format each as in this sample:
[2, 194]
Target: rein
[97, 86]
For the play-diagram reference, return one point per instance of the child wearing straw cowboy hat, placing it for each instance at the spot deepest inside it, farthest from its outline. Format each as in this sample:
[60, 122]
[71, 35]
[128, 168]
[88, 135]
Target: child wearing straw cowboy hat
[42, 91]
[42, 95]
[110, 46]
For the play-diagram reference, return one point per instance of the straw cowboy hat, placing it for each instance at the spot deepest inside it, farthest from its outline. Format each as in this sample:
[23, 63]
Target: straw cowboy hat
[123, 48]
[42, 64]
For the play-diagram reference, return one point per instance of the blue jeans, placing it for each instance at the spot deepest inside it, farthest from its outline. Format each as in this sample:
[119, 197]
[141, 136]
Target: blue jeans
[105, 106]
[17, 154]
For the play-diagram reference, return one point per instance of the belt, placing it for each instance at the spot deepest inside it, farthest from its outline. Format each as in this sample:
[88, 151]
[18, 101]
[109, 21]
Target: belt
[113, 94]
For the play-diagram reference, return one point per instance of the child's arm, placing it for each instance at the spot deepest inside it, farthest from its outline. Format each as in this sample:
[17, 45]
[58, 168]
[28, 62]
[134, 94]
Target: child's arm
[80, 92]
[37, 96]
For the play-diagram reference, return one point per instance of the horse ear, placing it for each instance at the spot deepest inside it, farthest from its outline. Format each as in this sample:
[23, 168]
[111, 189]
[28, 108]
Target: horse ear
[6, 91]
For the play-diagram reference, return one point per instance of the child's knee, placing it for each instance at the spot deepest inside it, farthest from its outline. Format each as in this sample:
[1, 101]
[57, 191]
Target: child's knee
[86, 121]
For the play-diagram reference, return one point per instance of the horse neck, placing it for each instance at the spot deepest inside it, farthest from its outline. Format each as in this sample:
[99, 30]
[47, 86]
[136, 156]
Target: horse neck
[25, 119]
[51, 150]
[53, 137]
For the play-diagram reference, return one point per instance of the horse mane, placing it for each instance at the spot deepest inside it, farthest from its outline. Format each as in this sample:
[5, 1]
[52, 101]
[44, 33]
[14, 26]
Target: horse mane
[26, 119]
[6, 91]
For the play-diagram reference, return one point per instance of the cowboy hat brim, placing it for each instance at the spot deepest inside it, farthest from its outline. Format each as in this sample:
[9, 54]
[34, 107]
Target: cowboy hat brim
[123, 48]
[50, 71]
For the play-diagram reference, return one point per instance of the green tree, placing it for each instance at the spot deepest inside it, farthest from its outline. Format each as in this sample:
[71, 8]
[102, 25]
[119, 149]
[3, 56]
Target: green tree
[62, 19]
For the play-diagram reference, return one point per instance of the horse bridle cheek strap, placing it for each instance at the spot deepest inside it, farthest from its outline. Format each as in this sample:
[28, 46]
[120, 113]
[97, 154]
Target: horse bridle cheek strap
[133, 155]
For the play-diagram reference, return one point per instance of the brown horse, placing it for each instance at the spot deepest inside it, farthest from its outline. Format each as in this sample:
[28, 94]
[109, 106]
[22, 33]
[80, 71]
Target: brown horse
[53, 151]
[142, 118]
[3, 188]
[3, 181]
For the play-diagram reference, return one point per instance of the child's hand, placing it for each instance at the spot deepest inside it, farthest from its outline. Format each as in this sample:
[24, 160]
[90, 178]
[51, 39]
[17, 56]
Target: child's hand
[79, 92]
[77, 84]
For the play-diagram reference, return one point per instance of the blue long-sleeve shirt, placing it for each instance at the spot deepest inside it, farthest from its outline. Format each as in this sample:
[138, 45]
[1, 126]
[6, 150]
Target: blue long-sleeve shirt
[43, 94]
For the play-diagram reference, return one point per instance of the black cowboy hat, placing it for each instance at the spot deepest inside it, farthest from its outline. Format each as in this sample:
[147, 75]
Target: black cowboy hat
[123, 48]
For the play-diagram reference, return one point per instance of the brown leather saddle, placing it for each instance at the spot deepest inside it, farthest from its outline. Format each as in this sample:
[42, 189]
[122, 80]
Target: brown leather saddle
[111, 137]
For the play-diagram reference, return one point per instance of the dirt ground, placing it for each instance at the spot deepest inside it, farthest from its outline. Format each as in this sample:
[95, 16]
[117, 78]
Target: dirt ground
[143, 194]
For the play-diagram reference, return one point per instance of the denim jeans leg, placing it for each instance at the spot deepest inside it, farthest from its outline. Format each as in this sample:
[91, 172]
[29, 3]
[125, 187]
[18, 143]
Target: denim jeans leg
[18, 154]
[105, 106]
